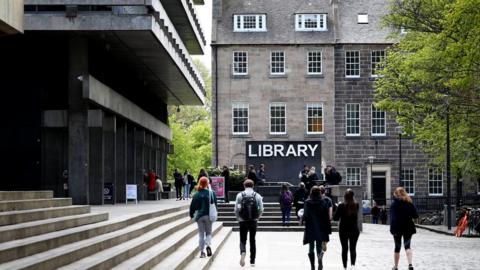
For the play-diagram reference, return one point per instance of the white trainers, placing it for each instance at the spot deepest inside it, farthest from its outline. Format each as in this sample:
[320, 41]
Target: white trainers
[242, 259]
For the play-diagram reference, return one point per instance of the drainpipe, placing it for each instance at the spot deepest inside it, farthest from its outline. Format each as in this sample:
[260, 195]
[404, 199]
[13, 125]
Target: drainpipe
[214, 51]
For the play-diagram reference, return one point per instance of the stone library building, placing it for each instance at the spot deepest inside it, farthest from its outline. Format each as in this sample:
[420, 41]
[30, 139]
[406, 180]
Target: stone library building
[294, 85]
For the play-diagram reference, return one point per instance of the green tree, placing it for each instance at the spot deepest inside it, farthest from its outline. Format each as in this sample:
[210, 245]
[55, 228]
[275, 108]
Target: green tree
[433, 70]
[192, 133]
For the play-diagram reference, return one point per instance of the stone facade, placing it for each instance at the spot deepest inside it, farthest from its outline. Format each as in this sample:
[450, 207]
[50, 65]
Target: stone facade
[296, 88]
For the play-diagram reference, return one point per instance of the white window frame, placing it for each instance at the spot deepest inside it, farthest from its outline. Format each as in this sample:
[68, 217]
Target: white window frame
[240, 19]
[346, 63]
[359, 120]
[353, 171]
[362, 18]
[282, 63]
[374, 64]
[408, 175]
[277, 104]
[374, 110]
[233, 63]
[301, 19]
[315, 105]
[438, 172]
[316, 62]
[240, 105]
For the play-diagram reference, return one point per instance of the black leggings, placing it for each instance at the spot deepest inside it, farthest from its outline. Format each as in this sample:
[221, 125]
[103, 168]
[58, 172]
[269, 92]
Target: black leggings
[345, 238]
[407, 238]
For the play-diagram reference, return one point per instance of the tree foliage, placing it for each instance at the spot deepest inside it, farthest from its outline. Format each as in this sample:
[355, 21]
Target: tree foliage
[435, 70]
[192, 133]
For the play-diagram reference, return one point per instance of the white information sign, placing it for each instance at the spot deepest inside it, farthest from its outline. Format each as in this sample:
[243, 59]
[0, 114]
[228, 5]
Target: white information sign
[131, 193]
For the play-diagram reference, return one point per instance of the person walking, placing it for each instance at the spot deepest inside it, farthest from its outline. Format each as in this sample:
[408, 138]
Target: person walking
[285, 199]
[186, 185]
[299, 197]
[317, 223]
[178, 183]
[375, 213]
[347, 213]
[402, 213]
[248, 210]
[199, 209]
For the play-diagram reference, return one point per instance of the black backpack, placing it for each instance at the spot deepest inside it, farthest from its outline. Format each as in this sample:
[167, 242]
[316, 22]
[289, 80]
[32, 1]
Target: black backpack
[249, 210]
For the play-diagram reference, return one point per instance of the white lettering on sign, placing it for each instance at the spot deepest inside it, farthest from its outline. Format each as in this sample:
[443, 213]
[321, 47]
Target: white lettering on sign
[279, 150]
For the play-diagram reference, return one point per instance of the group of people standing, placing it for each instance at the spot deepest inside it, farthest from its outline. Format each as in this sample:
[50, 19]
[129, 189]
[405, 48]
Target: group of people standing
[185, 184]
[258, 177]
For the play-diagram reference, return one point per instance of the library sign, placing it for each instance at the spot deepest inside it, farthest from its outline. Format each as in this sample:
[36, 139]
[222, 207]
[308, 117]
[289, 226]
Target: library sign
[284, 159]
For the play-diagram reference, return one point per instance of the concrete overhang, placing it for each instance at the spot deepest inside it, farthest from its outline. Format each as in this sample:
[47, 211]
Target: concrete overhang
[11, 17]
[147, 43]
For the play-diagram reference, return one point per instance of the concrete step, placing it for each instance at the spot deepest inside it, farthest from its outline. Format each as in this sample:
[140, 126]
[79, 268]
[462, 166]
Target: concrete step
[115, 255]
[186, 252]
[17, 205]
[66, 254]
[25, 195]
[159, 252]
[28, 229]
[15, 217]
[17, 249]
[264, 218]
[266, 213]
[204, 263]
[276, 229]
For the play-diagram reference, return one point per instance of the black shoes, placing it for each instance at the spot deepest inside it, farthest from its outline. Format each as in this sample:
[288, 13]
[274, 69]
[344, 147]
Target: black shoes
[410, 267]
[209, 251]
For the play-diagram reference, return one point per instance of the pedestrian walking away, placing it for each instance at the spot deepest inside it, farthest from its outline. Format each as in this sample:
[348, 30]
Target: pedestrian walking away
[248, 210]
[317, 226]
[199, 209]
[347, 214]
[299, 198]
[383, 214]
[285, 199]
[186, 185]
[177, 176]
[402, 213]
[375, 212]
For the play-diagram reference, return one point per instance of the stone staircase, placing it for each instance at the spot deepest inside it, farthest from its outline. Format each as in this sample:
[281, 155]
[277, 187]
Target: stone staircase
[41, 232]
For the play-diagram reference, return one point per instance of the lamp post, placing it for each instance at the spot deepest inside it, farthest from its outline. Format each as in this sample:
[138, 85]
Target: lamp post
[400, 176]
[449, 195]
[370, 161]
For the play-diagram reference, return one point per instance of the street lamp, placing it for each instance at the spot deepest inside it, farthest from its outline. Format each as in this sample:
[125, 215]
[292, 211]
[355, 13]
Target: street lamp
[370, 161]
[400, 176]
[449, 195]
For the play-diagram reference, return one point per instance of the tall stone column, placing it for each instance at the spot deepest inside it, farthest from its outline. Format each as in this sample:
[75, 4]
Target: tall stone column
[140, 161]
[78, 133]
[97, 153]
[109, 138]
[121, 160]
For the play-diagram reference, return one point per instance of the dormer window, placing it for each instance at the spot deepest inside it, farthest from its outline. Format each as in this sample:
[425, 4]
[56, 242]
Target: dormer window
[310, 22]
[250, 23]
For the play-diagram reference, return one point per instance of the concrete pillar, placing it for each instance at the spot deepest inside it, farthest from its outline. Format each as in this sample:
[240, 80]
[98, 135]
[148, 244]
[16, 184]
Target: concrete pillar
[78, 133]
[156, 156]
[121, 160]
[97, 156]
[148, 150]
[131, 160]
[109, 138]
[140, 161]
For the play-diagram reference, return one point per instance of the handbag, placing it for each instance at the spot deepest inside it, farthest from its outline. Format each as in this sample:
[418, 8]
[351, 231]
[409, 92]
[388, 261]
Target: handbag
[212, 212]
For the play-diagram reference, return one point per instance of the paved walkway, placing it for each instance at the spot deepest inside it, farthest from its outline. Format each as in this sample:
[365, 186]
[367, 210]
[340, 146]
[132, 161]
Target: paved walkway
[284, 250]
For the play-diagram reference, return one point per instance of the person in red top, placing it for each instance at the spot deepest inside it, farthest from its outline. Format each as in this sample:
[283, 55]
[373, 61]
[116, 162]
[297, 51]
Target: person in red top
[152, 177]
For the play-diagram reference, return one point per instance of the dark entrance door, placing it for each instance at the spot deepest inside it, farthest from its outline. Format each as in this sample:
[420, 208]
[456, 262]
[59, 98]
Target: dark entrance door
[379, 180]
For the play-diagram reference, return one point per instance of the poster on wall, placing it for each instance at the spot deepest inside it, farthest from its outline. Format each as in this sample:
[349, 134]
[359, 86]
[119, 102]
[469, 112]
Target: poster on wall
[218, 186]
[283, 160]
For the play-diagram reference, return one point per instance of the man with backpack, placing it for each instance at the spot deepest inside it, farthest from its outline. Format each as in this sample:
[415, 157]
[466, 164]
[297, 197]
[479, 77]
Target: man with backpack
[248, 209]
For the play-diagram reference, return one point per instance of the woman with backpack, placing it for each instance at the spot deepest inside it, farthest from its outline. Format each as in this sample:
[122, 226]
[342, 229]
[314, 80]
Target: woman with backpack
[285, 200]
[402, 213]
[317, 226]
[199, 209]
[347, 213]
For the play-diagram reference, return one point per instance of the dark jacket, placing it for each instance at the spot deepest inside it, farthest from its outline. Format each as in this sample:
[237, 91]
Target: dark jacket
[317, 221]
[300, 196]
[253, 176]
[348, 221]
[311, 181]
[402, 214]
[178, 179]
[200, 205]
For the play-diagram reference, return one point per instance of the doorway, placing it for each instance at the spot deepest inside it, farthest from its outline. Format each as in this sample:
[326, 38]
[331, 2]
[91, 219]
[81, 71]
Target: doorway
[379, 193]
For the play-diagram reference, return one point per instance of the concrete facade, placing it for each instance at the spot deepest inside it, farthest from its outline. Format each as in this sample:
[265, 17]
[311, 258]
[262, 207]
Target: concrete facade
[11, 17]
[295, 88]
[95, 80]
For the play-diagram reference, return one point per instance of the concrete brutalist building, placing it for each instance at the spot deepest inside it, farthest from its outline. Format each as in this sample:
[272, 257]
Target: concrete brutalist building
[85, 91]
[304, 71]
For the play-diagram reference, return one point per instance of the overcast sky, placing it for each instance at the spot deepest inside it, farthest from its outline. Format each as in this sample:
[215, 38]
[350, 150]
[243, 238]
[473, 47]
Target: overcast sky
[204, 13]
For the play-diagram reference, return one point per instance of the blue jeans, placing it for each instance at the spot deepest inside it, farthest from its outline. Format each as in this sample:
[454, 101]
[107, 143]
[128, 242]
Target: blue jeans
[186, 191]
[286, 214]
